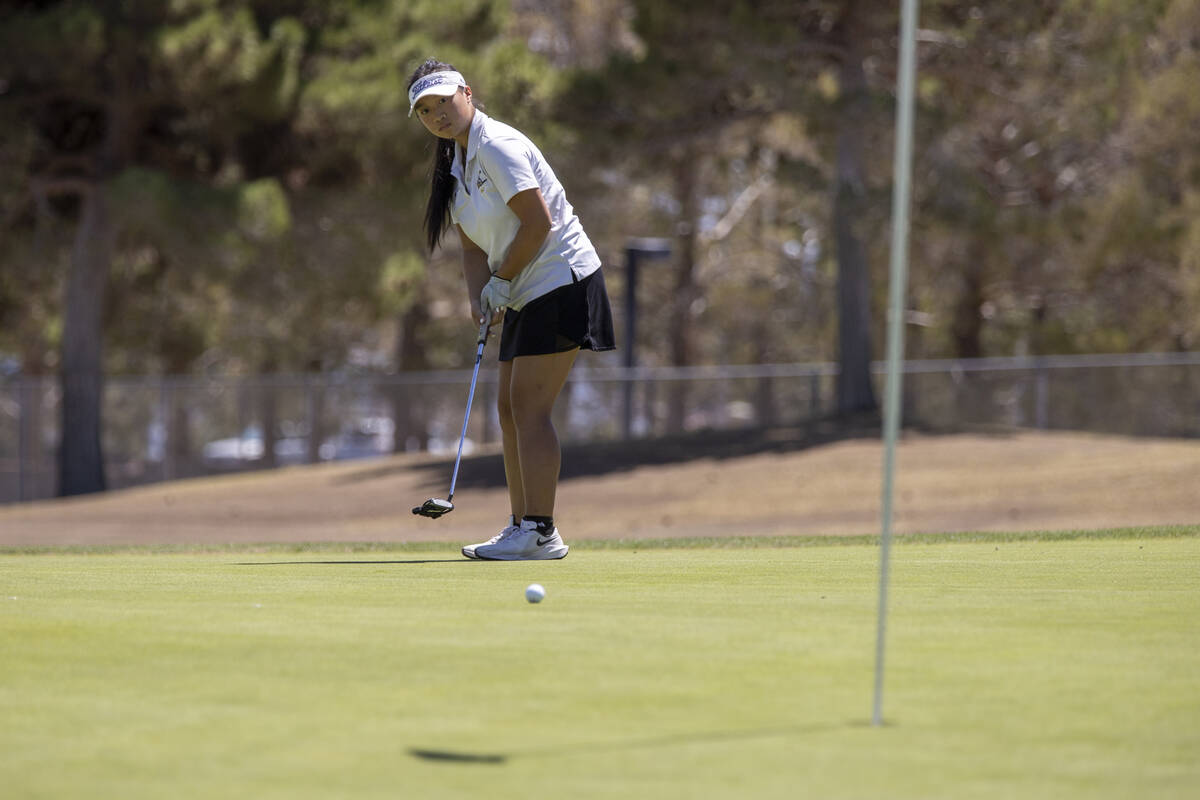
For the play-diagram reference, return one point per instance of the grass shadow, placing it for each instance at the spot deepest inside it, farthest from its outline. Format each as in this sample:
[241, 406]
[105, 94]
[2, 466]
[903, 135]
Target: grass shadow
[457, 758]
[586, 460]
[341, 563]
[639, 744]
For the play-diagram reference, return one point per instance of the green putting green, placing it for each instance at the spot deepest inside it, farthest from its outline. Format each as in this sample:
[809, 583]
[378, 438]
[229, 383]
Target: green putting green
[1055, 668]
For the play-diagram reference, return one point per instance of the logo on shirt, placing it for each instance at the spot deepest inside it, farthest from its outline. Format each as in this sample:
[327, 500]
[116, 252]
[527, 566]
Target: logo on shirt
[480, 180]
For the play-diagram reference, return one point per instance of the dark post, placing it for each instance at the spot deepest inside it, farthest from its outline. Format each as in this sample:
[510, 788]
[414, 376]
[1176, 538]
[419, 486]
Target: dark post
[631, 262]
[634, 250]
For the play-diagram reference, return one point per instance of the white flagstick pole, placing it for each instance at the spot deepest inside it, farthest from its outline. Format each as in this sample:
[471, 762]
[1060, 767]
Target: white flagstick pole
[898, 277]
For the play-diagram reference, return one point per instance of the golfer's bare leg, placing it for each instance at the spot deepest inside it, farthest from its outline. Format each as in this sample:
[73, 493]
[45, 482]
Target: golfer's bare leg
[508, 434]
[534, 385]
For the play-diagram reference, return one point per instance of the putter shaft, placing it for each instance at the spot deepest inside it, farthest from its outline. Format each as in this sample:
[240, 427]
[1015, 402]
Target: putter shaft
[479, 346]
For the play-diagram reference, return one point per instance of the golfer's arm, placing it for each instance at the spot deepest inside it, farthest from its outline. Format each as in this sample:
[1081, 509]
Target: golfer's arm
[475, 266]
[534, 226]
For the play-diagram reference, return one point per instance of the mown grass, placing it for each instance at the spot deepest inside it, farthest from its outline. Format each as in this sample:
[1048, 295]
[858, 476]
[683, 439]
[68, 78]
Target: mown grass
[672, 543]
[1033, 665]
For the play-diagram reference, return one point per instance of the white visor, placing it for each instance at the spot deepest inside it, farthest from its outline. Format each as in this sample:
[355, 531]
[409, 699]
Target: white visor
[443, 83]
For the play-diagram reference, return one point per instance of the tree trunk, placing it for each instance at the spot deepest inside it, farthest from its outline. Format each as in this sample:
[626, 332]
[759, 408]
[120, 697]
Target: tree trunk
[179, 439]
[408, 418]
[81, 458]
[315, 389]
[967, 324]
[686, 289]
[765, 408]
[855, 393]
[81, 454]
[268, 412]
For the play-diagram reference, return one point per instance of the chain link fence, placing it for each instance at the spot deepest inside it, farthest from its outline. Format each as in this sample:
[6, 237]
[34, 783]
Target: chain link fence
[166, 428]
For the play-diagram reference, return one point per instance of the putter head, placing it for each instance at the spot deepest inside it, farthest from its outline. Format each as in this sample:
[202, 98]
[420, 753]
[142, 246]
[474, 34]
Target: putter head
[434, 507]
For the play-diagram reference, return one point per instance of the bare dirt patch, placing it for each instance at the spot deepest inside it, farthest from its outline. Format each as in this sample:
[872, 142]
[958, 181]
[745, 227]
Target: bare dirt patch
[962, 482]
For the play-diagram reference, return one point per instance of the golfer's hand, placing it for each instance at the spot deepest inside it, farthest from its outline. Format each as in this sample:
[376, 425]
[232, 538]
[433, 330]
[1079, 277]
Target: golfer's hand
[477, 315]
[495, 294]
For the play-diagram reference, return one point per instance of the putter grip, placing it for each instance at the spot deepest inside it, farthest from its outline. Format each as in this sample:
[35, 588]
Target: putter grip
[483, 327]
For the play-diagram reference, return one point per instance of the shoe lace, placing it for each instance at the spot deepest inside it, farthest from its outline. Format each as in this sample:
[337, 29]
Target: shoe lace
[504, 534]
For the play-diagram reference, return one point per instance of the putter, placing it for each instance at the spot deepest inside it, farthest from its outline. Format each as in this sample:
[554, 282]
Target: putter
[435, 507]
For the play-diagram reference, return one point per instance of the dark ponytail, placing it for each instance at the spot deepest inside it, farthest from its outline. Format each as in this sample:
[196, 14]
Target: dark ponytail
[441, 192]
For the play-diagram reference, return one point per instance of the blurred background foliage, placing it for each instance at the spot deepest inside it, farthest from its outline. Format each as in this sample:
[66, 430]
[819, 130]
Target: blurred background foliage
[242, 179]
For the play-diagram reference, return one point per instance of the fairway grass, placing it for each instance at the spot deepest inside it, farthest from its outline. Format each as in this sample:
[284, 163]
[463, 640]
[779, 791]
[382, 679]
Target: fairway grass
[1036, 668]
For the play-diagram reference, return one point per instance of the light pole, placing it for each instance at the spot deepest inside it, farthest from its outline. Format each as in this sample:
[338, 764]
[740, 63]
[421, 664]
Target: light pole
[635, 250]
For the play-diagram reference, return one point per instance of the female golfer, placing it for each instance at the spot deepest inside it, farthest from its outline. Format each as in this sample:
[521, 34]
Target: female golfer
[526, 260]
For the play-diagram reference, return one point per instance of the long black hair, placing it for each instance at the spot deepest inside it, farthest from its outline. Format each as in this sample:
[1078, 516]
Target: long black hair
[441, 191]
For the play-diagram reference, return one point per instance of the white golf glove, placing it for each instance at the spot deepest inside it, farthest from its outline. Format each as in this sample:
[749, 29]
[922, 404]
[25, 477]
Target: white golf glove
[495, 295]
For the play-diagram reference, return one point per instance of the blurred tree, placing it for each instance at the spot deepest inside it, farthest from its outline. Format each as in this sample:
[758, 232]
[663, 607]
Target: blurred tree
[853, 222]
[709, 68]
[108, 86]
[1048, 215]
[654, 114]
[27, 277]
[574, 33]
[1140, 264]
[984, 196]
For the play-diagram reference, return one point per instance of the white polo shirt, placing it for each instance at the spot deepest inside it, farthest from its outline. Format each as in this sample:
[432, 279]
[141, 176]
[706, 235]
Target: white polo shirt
[500, 162]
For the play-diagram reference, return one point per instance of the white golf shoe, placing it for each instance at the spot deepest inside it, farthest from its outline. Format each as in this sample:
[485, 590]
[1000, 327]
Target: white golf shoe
[526, 543]
[509, 529]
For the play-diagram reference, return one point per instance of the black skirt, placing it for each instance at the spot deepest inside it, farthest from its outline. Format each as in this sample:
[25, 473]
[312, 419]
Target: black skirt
[569, 317]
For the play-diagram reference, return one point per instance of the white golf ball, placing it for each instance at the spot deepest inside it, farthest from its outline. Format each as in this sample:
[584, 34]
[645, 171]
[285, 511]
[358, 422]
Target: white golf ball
[535, 592]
